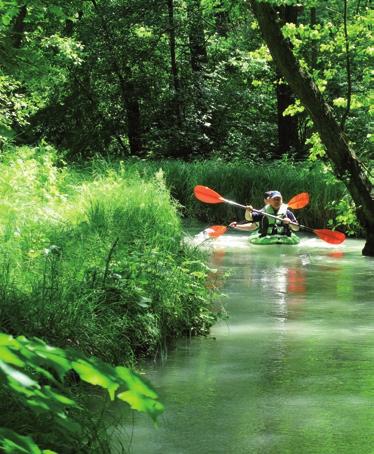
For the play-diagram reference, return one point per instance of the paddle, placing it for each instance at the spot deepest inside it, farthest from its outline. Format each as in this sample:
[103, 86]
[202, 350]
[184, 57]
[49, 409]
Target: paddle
[215, 231]
[330, 236]
[207, 195]
[299, 201]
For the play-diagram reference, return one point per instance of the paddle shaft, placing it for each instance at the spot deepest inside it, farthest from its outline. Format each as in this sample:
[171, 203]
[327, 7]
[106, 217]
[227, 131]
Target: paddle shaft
[267, 214]
[231, 202]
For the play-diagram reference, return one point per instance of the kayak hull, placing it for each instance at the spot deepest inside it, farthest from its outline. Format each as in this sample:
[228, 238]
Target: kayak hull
[255, 238]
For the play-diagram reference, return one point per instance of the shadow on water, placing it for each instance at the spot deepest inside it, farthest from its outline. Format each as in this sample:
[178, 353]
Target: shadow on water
[290, 371]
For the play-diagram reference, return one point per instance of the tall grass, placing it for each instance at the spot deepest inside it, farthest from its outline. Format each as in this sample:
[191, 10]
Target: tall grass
[246, 183]
[94, 259]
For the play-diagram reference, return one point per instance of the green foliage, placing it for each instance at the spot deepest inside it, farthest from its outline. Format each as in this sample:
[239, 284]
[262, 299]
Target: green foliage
[92, 259]
[84, 75]
[317, 149]
[246, 182]
[95, 255]
[36, 59]
[326, 40]
[34, 372]
[345, 216]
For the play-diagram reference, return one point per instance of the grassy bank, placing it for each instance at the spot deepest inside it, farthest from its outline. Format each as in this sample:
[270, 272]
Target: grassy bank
[94, 259]
[91, 259]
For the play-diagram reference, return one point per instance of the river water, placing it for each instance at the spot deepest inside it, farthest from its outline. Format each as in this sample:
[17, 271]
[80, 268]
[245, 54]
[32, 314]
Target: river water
[290, 371]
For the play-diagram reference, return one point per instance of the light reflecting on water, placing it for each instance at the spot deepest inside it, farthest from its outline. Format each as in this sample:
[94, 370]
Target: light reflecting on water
[291, 370]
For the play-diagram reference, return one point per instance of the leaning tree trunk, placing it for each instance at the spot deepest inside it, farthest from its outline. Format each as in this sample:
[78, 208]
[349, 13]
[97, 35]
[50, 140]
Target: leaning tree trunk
[347, 167]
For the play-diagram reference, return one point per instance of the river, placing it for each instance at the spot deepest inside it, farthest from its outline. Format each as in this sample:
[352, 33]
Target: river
[290, 371]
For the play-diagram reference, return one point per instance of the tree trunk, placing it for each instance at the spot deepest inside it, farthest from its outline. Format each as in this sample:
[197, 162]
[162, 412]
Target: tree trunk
[19, 27]
[347, 166]
[288, 137]
[221, 19]
[196, 36]
[129, 93]
[199, 59]
[134, 129]
[313, 45]
[173, 61]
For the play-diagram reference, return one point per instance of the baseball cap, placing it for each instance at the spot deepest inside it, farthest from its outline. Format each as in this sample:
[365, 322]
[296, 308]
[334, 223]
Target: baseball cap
[274, 194]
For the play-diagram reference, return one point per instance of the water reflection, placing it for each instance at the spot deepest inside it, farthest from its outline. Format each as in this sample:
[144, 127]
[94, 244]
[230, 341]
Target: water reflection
[290, 371]
[216, 276]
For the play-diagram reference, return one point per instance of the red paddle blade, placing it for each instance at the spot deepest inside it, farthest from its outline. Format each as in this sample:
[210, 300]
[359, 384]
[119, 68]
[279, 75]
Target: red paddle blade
[299, 201]
[207, 195]
[215, 230]
[330, 236]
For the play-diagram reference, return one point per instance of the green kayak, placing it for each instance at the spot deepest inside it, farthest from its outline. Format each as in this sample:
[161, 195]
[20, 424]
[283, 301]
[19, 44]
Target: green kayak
[255, 238]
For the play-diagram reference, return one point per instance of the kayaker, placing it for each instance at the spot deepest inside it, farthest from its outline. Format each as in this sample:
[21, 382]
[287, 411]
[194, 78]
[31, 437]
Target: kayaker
[268, 226]
[251, 226]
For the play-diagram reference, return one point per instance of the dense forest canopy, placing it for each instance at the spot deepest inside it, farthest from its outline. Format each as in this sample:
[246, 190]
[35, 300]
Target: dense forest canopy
[177, 78]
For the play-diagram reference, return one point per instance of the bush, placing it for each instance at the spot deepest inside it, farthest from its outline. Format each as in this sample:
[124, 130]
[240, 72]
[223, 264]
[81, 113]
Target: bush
[34, 376]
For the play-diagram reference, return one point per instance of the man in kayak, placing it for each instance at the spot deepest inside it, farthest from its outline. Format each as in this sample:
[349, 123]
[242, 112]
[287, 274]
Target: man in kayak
[269, 226]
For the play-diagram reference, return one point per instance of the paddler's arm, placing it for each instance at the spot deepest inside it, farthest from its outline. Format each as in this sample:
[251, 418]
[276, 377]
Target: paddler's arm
[252, 216]
[251, 225]
[247, 227]
[291, 218]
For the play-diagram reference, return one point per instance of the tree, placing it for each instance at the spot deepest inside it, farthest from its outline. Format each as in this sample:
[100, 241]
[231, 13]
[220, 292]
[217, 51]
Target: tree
[173, 63]
[288, 138]
[35, 58]
[346, 165]
[128, 89]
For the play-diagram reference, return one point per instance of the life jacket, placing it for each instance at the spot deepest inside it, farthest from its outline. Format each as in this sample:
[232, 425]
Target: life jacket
[271, 226]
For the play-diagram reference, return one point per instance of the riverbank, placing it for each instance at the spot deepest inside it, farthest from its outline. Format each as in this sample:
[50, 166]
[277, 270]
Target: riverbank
[90, 259]
[95, 259]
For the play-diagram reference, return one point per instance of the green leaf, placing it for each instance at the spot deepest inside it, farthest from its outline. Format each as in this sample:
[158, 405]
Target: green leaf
[91, 374]
[135, 383]
[6, 339]
[140, 403]
[17, 376]
[9, 357]
[12, 442]
[340, 102]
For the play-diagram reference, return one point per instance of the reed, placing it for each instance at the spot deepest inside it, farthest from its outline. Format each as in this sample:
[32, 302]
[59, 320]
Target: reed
[246, 183]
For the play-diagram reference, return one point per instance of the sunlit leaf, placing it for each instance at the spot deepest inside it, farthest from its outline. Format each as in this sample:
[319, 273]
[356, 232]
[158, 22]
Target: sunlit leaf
[7, 356]
[11, 442]
[140, 403]
[17, 376]
[135, 383]
[92, 375]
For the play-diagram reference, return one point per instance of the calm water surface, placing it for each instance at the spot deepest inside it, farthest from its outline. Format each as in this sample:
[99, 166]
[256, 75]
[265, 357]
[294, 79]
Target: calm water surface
[290, 371]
